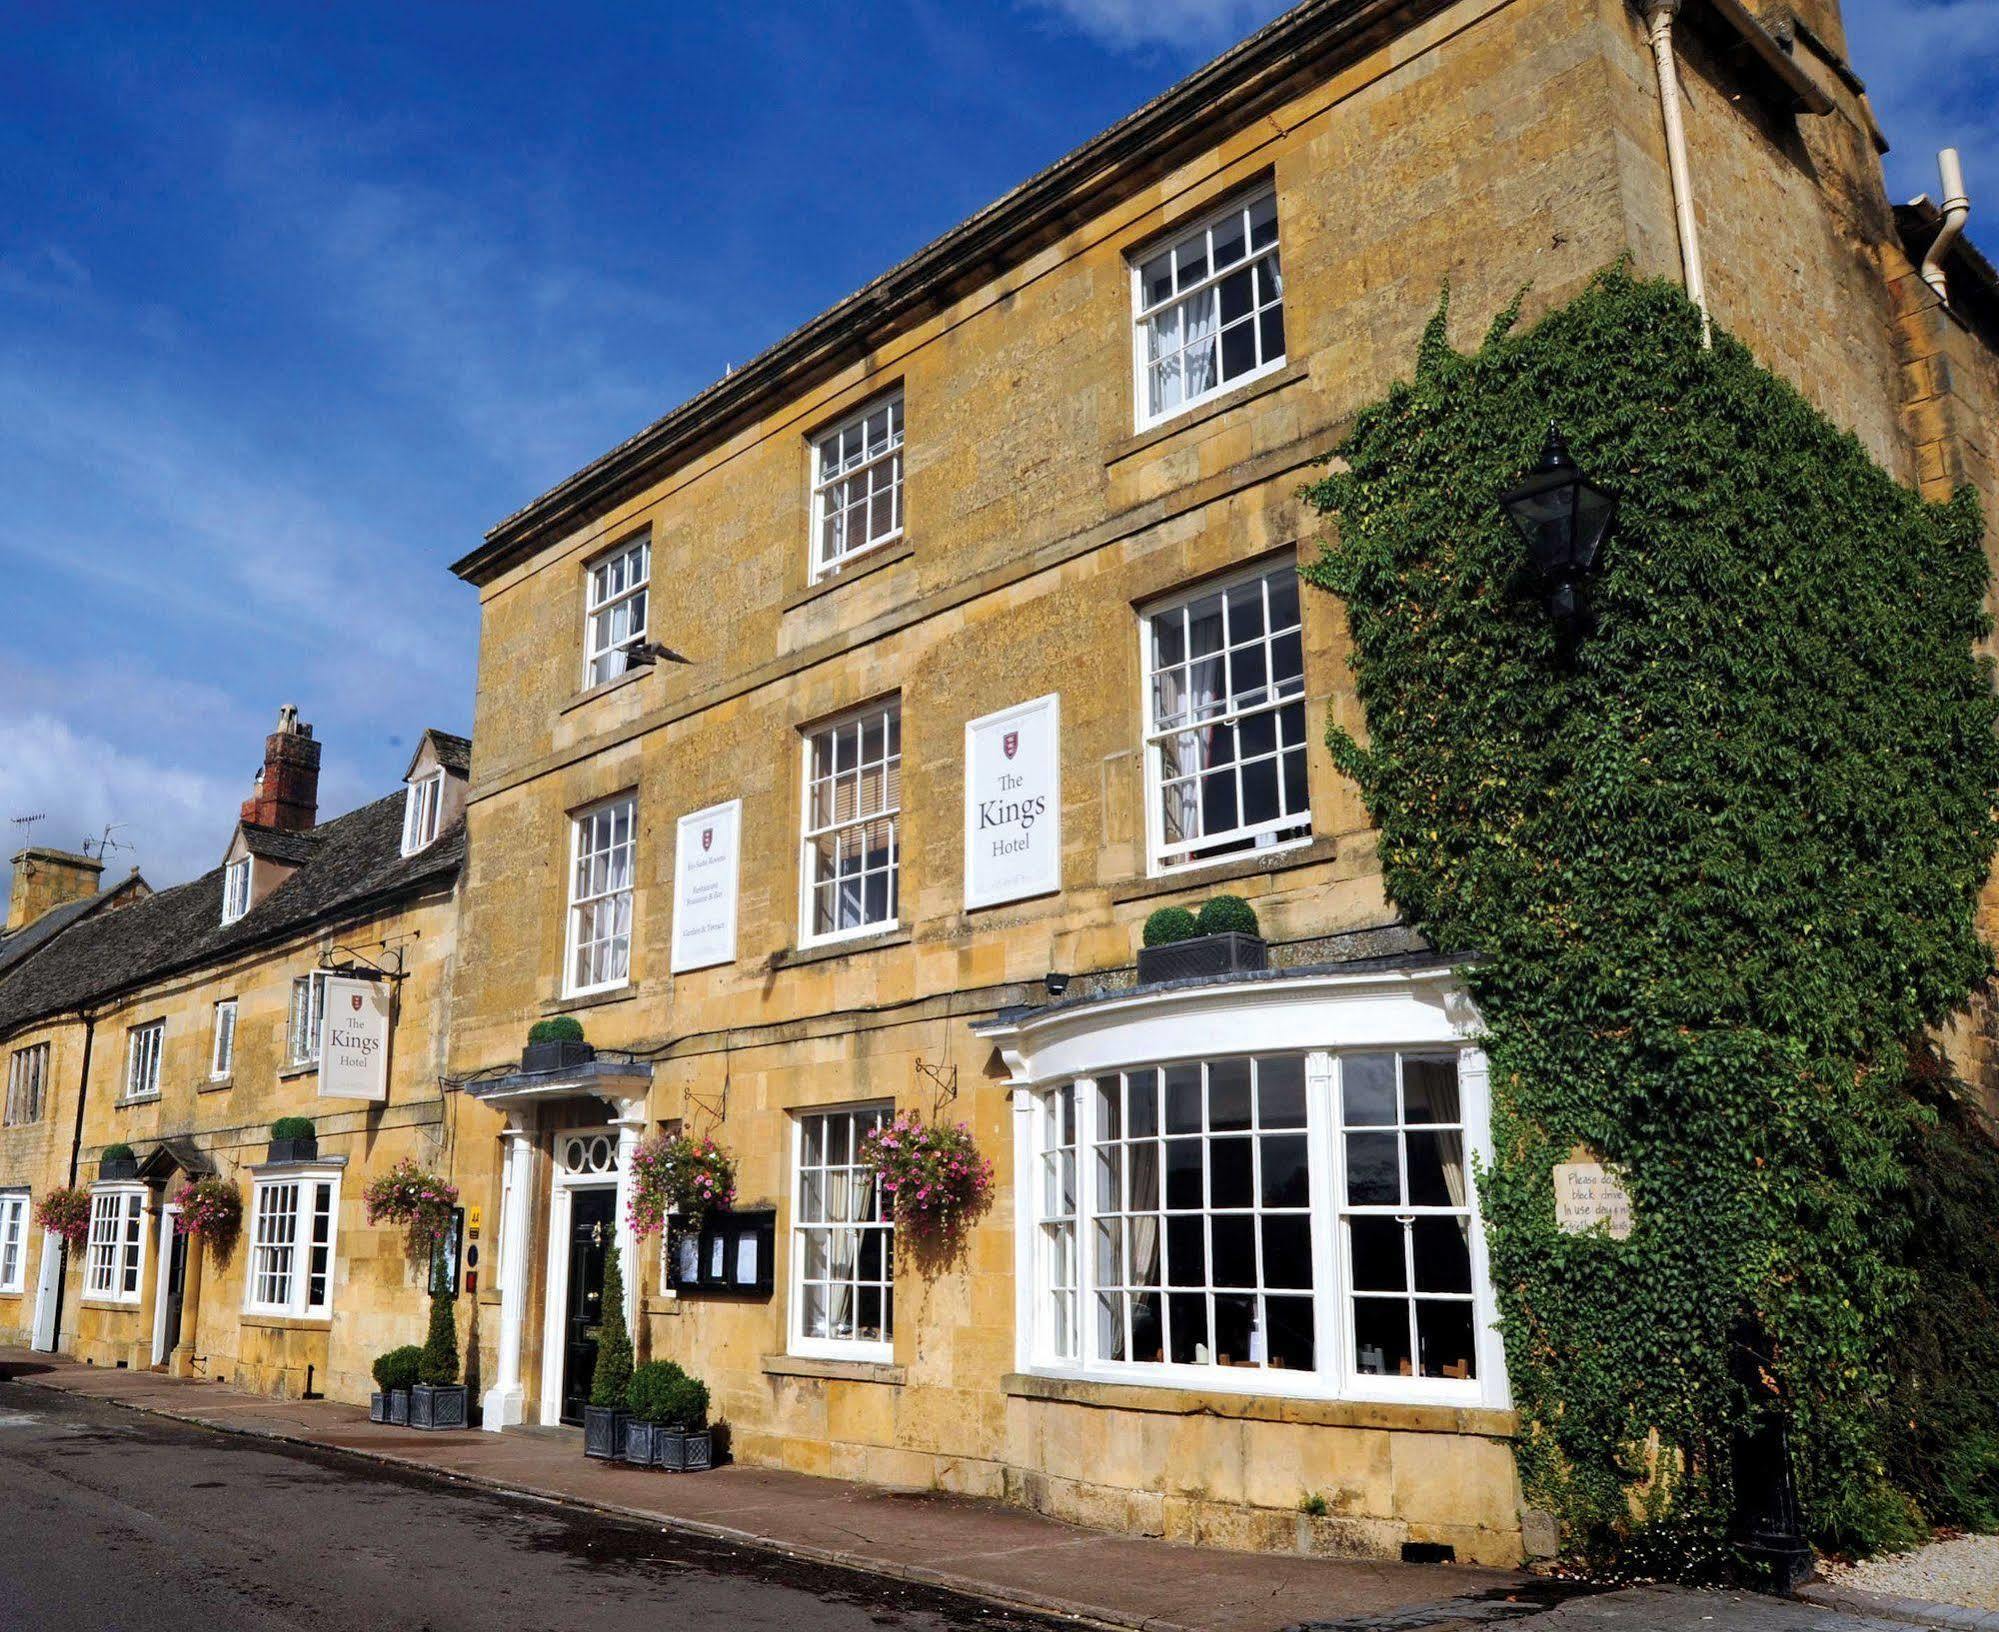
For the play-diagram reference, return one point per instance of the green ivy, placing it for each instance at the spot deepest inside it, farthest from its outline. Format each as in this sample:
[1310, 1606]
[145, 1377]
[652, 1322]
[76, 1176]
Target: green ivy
[1718, 862]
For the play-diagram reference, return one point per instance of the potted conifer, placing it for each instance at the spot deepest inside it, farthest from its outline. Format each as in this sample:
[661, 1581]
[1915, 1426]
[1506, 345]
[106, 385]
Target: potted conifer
[395, 1375]
[438, 1399]
[293, 1140]
[604, 1418]
[683, 1443]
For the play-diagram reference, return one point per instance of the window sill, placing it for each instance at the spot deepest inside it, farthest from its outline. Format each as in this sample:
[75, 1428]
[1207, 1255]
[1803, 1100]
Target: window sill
[1290, 374]
[792, 957]
[139, 1099]
[885, 555]
[1222, 872]
[603, 688]
[289, 1323]
[1168, 1400]
[216, 1085]
[309, 1069]
[590, 1000]
[119, 1306]
[845, 1371]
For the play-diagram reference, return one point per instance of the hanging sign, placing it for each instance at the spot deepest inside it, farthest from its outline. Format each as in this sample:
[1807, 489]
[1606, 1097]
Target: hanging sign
[354, 1047]
[1013, 803]
[704, 887]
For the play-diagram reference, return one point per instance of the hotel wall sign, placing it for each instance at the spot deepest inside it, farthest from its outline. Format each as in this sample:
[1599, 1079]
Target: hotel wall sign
[354, 1052]
[1013, 803]
[704, 887]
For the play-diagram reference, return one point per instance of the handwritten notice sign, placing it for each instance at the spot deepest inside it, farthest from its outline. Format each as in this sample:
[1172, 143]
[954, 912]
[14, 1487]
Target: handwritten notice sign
[1013, 803]
[704, 887]
[354, 1049]
[1588, 1194]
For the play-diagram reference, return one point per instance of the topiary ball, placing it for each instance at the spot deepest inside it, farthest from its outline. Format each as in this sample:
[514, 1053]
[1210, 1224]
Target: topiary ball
[1170, 924]
[116, 1153]
[1227, 915]
[562, 1028]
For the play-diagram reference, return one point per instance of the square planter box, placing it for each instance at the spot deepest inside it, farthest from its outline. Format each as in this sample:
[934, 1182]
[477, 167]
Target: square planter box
[378, 1407]
[1203, 955]
[642, 1443]
[438, 1406]
[118, 1167]
[680, 1452]
[557, 1056]
[399, 1407]
[294, 1150]
[604, 1432]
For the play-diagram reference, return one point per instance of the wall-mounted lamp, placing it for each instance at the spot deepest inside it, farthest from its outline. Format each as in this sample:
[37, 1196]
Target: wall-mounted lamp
[1563, 516]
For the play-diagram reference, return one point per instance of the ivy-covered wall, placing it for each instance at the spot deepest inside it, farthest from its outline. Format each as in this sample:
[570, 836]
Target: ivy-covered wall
[1717, 864]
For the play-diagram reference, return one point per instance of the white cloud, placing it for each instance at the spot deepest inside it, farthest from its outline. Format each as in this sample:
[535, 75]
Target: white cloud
[1194, 26]
[175, 821]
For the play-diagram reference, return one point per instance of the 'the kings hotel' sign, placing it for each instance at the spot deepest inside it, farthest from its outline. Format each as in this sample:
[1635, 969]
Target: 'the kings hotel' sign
[1013, 803]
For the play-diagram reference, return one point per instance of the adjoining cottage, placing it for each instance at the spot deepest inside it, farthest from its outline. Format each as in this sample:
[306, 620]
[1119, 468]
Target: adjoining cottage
[163, 1040]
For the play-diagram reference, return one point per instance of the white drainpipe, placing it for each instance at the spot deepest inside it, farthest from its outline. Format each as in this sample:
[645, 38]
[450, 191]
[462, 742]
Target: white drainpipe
[1659, 14]
[1956, 206]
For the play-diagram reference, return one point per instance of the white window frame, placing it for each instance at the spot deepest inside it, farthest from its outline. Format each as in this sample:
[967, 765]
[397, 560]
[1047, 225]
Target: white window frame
[235, 889]
[588, 899]
[855, 1117]
[1324, 1019]
[1145, 312]
[284, 1240]
[144, 1044]
[609, 596]
[222, 1047]
[836, 478]
[889, 713]
[13, 1241]
[27, 1086]
[1285, 832]
[421, 808]
[307, 1017]
[115, 1254]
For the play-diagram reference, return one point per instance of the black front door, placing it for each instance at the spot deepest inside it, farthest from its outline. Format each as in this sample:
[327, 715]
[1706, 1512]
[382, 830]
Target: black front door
[176, 1292]
[590, 1225]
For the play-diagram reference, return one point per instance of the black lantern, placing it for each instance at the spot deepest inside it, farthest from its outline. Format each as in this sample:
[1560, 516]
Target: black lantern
[1563, 516]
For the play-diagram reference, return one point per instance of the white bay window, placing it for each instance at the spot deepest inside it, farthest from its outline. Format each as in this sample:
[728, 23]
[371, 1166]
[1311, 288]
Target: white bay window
[117, 1243]
[1294, 1218]
[293, 1222]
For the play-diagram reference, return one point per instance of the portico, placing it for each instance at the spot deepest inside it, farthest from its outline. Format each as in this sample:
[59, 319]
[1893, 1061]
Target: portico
[568, 1142]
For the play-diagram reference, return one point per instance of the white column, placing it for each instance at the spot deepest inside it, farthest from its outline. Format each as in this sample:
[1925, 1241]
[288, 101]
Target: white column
[628, 1116]
[503, 1402]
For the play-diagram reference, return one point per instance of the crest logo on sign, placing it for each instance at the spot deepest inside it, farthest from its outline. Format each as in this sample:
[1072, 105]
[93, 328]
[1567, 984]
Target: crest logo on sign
[356, 1001]
[1010, 744]
[707, 838]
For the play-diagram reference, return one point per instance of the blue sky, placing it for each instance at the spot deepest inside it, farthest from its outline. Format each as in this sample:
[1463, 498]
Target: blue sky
[296, 301]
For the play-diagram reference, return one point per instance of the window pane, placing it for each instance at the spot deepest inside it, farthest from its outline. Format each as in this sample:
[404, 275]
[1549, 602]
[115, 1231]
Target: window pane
[1445, 1332]
[1231, 1173]
[1280, 1092]
[1379, 1264]
[1443, 1254]
[1374, 1176]
[1381, 1337]
[1183, 1099]
[1286, 1182]
[1189, 1328]
[1287, 1250]
[1228, 1095]
[1430, 1090]
[1232, 1248]
[1183, 1173]
[1367, 1082]
[1436, 1169]
[1291, 1341]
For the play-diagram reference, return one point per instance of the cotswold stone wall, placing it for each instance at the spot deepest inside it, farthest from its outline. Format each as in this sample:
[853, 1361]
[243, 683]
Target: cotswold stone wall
[1502, 144]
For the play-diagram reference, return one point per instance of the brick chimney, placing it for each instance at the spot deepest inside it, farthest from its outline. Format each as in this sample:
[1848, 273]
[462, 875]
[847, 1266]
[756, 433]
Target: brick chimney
[287, 795]
[48, 878]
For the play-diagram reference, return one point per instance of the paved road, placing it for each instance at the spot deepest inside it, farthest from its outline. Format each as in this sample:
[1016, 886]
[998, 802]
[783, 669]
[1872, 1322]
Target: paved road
[110, 1519]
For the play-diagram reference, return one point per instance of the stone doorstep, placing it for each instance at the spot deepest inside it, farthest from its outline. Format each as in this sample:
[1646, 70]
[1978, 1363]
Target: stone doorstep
[1890, 1607]
[287, 1422]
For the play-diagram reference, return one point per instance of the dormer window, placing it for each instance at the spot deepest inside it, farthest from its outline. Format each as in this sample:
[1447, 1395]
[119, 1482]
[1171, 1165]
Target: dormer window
[420, 812]
[235, 889]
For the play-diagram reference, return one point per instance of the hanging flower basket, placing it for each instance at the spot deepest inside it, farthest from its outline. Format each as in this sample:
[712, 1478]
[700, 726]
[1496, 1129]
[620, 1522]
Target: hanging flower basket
[66, 1212]
[674, 1171]
[932, 1174]
[211, 1210]
[415, 1198]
